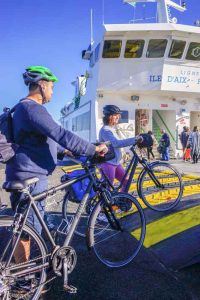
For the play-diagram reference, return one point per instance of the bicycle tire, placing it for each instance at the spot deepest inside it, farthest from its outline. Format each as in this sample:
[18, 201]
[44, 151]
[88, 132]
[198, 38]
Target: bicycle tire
[114, 246]
[69, 209]
[15, 283]
[161, 198]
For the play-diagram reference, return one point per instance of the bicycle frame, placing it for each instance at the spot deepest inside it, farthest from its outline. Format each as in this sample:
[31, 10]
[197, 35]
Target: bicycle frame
[132, 168]
[20, 220]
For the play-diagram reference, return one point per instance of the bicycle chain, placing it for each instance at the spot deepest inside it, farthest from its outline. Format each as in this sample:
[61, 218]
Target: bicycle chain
[32, 260]
[29, 293]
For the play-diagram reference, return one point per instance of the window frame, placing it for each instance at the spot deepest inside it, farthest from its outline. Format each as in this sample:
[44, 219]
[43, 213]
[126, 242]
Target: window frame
[141, 51]
[154, 39]
[120, 49]
[189, 43]
[182, 51]
[79, 122]
[124, 120]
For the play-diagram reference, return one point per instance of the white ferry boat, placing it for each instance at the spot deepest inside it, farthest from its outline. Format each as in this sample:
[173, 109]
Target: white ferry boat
[150, 70]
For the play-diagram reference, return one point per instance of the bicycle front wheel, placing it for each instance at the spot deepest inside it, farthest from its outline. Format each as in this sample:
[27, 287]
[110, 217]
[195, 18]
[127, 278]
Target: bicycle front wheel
[24, 276]
[161, 187]
[117, 231]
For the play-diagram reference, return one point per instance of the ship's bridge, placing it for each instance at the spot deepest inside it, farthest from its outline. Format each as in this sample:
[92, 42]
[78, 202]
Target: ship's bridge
[150, 70]
[149, 57]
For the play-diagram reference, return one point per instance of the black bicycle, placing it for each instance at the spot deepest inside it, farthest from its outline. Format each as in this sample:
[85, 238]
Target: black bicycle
[159, 185]
[116, 237]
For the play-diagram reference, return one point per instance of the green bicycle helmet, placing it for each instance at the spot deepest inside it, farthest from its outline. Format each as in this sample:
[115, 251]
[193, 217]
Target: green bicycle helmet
[35, 73]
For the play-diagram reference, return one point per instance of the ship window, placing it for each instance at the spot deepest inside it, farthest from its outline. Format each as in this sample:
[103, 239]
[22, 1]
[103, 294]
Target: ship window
[156, 48]
[74, 124]
[81, 122]
[112, 48]
[193, 51]
[134, 48]
[66, 125]
[124, 117]
[177, 48]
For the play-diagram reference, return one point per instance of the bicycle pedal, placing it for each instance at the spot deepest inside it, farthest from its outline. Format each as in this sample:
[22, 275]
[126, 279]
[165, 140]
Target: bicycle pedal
[70, 289]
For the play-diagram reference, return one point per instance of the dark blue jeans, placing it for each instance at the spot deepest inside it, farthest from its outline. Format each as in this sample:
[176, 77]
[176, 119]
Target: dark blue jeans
[165, 154]
[34, 189]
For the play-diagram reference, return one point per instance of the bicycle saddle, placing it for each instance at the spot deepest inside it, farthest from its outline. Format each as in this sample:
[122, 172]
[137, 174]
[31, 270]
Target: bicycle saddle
[19, 185]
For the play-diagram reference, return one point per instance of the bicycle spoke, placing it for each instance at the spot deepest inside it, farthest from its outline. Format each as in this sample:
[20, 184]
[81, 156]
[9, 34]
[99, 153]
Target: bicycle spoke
[25, 275]
[166, 195]
[117, 247]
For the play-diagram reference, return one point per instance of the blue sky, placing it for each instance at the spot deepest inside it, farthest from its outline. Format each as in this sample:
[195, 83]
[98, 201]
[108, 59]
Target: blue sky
[53, 34]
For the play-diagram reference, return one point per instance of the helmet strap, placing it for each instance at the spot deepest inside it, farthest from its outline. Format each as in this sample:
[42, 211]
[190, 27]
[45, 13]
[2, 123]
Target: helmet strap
[42, 94]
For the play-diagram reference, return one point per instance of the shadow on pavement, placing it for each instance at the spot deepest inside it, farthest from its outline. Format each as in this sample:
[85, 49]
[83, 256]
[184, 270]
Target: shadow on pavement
[144, 278]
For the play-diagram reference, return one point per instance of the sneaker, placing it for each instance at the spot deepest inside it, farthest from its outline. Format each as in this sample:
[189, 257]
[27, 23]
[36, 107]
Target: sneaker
[22, 287]
[122, 207]
[116, 209]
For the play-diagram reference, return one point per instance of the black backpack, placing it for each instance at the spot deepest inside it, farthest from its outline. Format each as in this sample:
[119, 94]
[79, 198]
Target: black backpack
[7, 145]
[147, 140]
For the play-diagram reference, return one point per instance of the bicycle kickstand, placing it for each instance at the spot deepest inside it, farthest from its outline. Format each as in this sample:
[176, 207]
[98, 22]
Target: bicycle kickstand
[68, 288]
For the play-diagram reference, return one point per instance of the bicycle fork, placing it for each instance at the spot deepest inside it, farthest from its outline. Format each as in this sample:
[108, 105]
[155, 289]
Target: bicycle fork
[114, 223]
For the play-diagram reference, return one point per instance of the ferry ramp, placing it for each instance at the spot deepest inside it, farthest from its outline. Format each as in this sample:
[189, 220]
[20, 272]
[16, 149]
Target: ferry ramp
[166, 267]
[173, 236]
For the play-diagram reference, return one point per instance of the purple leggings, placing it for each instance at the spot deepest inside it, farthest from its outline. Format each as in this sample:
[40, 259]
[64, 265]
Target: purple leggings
[112, 172]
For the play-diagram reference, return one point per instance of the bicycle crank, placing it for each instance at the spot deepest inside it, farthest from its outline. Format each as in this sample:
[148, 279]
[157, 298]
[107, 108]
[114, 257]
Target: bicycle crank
[64, 262]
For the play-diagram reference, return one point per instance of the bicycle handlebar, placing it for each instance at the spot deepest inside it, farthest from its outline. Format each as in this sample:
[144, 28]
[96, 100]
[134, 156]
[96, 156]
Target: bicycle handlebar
[83, 159]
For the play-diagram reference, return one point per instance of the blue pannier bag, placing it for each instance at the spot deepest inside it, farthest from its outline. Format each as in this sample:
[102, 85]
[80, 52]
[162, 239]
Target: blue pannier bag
[78, 188]
[7, 146]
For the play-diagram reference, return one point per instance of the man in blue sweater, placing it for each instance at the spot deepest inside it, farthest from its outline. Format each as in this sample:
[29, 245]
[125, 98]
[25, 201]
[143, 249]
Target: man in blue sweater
[38, 136]
[165, 142]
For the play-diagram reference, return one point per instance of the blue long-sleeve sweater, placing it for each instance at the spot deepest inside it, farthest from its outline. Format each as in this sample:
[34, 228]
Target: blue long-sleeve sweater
[108, 133]
[38, 136]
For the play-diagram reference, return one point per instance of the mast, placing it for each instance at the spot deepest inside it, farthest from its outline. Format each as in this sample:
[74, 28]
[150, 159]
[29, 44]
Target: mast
[91, 28]
[163, 9]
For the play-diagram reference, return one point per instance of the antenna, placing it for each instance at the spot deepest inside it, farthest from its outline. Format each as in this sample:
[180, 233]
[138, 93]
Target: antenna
[91, 28]
[103, 11]
[134, 8]
[163, 8]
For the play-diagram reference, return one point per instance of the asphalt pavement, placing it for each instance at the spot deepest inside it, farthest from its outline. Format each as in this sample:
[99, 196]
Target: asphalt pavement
[151, 275]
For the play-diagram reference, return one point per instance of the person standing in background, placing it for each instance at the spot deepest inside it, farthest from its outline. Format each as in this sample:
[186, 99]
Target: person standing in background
[165, 142]
[194, 141]
[150, 149]
[184, 140]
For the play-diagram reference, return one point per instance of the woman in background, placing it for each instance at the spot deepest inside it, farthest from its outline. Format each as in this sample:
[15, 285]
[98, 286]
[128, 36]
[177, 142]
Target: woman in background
[194, 142]
[150, 149]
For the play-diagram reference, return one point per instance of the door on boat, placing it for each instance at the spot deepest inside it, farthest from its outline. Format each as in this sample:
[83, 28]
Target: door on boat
[142, 121]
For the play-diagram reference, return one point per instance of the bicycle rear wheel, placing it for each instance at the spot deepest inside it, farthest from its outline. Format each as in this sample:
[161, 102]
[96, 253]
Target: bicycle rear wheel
[161, 188]
[23, 278]
[69, 210]
[116, 232]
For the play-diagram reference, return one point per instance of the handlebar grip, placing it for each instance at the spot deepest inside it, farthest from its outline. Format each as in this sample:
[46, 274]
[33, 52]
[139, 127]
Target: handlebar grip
[107, 143]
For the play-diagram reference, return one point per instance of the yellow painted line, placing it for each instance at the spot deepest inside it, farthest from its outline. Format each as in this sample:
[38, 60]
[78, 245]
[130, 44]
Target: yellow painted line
[164, 196]
[161, 196]
[169, 226]
[71, 168]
